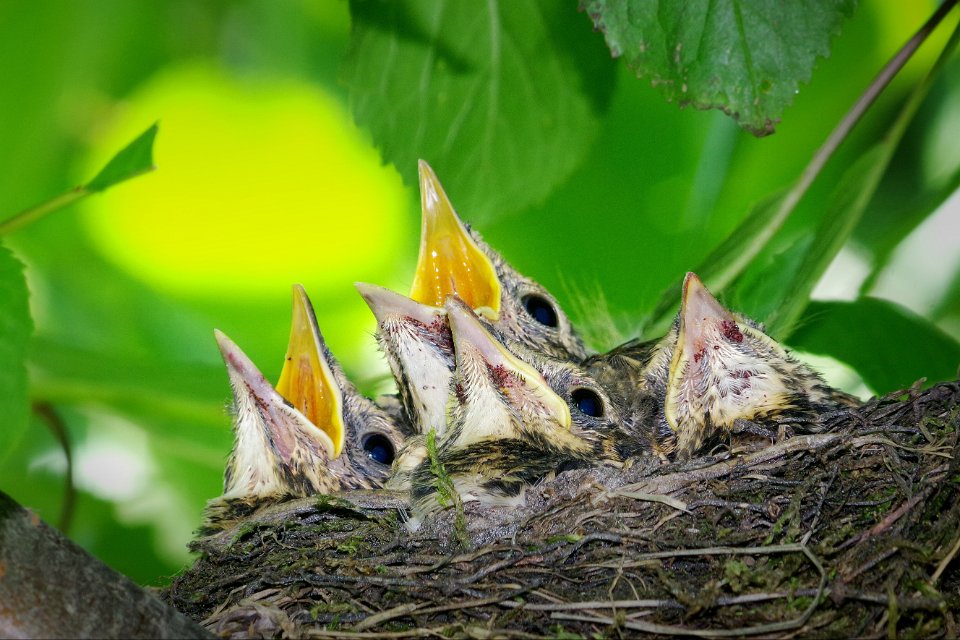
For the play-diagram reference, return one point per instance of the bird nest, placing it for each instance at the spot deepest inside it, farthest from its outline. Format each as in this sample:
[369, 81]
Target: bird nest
[851, 531]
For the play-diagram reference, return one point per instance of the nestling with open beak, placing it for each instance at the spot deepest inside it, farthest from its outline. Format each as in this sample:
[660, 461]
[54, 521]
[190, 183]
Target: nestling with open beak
[455, 261]
[315, 433]
[725, 368]
[511, 421]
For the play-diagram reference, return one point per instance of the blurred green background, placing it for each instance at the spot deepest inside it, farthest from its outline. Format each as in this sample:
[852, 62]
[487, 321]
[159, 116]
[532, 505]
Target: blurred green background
[264, 180]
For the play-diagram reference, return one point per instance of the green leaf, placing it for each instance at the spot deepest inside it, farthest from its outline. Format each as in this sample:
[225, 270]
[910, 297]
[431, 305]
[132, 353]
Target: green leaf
[133, 160]
[728, 260]
[888, 345]
[500, 98]
[843, 212]
[15, 328]
[747, 58]
[761, 287]
[847, 203]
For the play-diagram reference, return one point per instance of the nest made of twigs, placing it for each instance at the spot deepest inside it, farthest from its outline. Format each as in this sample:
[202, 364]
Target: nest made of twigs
[851, 531]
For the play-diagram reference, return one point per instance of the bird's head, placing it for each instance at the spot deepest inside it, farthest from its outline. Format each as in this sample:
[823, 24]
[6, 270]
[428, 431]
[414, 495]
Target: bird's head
[454, 260]
[512, 419]
[277, 450]
[724, 367]
[364, 436]
[416, 341]
[313, 433]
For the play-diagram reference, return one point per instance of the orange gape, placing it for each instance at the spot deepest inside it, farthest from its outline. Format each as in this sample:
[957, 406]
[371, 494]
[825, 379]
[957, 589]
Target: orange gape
[450, 261]
[306, 381]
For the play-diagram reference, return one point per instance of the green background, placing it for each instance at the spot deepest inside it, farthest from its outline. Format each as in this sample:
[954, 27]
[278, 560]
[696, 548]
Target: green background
[254, 101]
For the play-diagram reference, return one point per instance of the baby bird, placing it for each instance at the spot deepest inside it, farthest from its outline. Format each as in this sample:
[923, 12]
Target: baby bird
[455, 261]
[724, 368]
[313, 381]
[634, 375]
[511, 421]
[315, 433]
[416, 341]
[713, 367]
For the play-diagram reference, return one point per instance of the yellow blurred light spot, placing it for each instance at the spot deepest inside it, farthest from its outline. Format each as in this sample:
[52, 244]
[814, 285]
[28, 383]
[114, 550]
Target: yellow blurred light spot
[260, 183]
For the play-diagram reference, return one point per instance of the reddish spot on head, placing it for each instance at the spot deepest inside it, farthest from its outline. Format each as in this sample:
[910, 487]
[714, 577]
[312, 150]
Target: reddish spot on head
[500, 376]
[698, 356]
[731, 331]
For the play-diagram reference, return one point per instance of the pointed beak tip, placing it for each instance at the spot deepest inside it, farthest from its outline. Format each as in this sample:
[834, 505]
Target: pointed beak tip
[428, 177]
[464, 327]
[699, 304]
[365, 290]
[385, 303]
[299, 292]
[237, 362]
[691, 284]
[458, 311]
[225, 344]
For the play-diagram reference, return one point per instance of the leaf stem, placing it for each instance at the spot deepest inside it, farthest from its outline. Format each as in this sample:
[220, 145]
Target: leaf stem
[869, 96]
[837, 136]
[723, 266]
[34, 213]
[834, 231]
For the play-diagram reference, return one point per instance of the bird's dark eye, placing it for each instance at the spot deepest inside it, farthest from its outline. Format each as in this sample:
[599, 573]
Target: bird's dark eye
[540, 310]
[379, 448]
[588, 402]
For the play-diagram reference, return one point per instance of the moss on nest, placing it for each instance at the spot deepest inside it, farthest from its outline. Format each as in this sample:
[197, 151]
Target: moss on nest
[852, 531]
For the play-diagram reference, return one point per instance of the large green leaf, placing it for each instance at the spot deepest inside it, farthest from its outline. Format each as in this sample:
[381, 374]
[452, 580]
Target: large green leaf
[15, 327]
[888, 345]
[500, 98]
[745, 57]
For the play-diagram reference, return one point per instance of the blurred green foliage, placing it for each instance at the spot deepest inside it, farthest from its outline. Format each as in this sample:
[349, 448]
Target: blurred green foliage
[581, 175]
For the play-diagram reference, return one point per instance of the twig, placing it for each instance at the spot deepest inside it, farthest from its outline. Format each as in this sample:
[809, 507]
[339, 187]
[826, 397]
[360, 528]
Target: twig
[410, 633]
[383, 616]
[945, 562]
[867, 566]
[680, 480]
[34, 213]
[50, 417]
[647, 497]
[735, 263]
[480, 602]
[596, 604]
[890, 519]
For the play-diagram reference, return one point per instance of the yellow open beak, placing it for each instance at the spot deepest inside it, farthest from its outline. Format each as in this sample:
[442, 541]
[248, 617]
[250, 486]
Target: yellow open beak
[306, 380]
[450, 262]
[251, 389]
